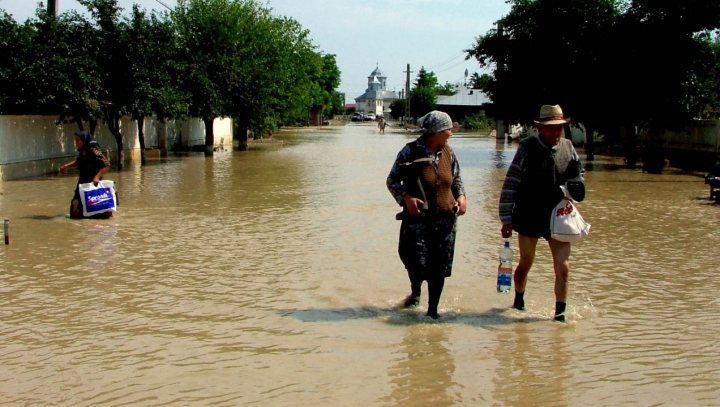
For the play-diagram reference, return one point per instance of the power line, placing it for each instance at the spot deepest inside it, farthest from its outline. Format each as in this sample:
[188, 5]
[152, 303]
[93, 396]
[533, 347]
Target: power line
[166, 6]
[454, 66]
[446, 62]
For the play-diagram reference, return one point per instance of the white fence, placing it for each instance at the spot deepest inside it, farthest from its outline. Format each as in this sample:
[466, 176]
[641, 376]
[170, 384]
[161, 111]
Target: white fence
[36, 145]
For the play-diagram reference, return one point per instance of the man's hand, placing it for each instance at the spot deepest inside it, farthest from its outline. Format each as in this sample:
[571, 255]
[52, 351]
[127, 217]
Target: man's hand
[96, 180]
[412, 204]
[506, 230]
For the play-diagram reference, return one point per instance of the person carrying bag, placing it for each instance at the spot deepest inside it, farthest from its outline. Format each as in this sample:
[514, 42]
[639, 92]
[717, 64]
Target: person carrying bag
[531, 191]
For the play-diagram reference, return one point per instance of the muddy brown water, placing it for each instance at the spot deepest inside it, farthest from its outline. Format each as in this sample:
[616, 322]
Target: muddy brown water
[270, 277]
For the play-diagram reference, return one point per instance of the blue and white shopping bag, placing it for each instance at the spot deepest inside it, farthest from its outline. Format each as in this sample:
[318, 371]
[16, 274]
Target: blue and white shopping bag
[98, 198]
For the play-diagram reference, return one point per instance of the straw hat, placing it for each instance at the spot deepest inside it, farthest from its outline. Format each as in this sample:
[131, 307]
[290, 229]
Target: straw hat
[551, 115]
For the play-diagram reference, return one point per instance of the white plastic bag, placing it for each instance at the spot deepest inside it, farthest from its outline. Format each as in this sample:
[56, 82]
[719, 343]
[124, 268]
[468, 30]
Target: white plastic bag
[98, 198]
[566, 224]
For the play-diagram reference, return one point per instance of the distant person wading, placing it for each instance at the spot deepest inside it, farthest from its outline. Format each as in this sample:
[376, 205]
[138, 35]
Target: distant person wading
[92, 165]
[425, 181]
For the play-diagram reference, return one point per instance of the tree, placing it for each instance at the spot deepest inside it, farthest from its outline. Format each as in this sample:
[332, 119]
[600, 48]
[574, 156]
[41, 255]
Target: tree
[422, 101]
[423, 96]
[244, 63]
[482, 82]
[446, 90]
[152, 50]
[397, 108]
[48, 67]
[592, 56]
[707, 101]
[110, 53]
[426, 79]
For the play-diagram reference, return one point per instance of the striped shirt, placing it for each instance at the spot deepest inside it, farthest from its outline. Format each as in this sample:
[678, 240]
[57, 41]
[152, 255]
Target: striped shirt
[513, 178]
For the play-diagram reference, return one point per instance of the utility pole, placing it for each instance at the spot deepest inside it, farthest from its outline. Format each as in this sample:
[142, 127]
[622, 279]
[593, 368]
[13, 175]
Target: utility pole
[52, 7]
[407, 93]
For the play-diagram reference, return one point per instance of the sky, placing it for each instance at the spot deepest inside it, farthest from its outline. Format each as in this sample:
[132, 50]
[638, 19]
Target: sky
[363, 35]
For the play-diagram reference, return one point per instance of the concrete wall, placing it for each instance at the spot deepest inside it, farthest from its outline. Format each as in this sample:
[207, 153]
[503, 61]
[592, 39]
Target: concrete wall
[702, 135]
[36, 145]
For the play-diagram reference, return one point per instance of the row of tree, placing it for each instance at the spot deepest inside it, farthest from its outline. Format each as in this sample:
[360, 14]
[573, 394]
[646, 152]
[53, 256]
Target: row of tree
[608, 63]
[204, 59]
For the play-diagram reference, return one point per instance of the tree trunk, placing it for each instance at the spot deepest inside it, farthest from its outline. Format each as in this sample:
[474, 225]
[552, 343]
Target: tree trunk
[93, 127]
[162, 128]
[209, 137]
[589, 143]
[114, 126]
[79, 122]
[242, 134]
[141, 138]
[632, 153]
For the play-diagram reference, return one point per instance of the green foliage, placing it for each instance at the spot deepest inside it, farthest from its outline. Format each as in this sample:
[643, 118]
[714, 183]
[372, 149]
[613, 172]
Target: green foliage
[206, 59]
[152, 48]
[48, 66]
[477, 121]
[422, 101]
[482, 82]
[397, 108]
[599, 59]
[350, 110]
[707, 98]
[426, 79]
[447, 90]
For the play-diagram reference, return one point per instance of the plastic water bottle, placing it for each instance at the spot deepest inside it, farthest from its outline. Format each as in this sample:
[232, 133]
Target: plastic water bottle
[504, 279]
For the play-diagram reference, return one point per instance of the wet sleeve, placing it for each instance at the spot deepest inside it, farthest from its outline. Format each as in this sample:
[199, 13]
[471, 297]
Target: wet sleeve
[510, 186]
[576, 181]
[394, 179]
[457, 186]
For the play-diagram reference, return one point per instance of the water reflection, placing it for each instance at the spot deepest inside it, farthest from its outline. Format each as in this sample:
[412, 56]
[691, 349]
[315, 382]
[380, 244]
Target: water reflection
[422, 370]
[532, 371]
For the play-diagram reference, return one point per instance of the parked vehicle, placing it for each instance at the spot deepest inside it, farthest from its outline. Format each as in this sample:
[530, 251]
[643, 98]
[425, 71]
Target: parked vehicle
[360, 117]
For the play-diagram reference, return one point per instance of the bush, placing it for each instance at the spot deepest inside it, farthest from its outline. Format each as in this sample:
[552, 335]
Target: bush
[478, 121]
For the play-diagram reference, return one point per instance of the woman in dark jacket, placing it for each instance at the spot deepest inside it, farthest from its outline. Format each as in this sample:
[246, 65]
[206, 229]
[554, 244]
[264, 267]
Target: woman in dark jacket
[92, 165]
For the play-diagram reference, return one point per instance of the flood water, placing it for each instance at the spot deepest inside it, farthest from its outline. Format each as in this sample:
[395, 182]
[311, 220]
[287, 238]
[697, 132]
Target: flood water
[270, 277]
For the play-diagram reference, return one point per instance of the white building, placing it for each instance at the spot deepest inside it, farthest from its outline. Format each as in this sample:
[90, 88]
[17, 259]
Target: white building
[376, 98]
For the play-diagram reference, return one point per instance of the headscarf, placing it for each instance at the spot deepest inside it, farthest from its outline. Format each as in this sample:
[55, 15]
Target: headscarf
[88, 141]
[435, 122]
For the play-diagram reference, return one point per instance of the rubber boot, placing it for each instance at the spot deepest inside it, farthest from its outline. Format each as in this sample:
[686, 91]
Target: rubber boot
[560, 311]
[435, 288]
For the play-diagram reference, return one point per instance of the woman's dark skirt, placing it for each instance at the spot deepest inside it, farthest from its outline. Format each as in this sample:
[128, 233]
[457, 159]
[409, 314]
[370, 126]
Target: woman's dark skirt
[427, 244]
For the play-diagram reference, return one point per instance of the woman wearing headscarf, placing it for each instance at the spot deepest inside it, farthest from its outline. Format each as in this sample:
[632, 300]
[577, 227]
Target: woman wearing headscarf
[425, 181]
[92, 165]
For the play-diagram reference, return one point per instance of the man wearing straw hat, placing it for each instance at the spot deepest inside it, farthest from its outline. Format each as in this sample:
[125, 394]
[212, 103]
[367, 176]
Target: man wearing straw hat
[530, 192]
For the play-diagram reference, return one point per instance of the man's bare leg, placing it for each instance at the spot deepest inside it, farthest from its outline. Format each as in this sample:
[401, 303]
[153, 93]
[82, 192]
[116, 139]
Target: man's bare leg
[527, 257]
[561, 264]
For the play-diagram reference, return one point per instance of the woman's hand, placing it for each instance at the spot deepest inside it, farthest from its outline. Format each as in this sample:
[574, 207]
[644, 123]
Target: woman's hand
[462, 205]
[412, 204]
[96, 180]
[62, 169]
